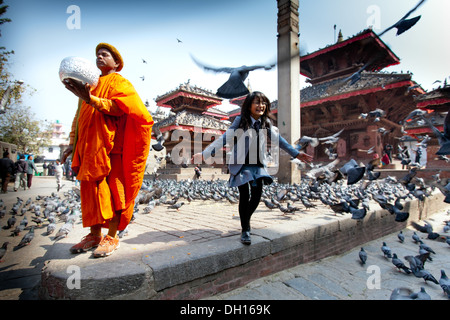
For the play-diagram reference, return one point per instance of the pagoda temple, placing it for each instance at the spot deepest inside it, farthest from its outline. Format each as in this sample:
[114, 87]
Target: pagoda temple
[192, 112]
[437, 105]
[331, 104]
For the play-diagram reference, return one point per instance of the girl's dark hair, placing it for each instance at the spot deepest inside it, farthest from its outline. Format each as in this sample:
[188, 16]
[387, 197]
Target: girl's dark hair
[246, 122]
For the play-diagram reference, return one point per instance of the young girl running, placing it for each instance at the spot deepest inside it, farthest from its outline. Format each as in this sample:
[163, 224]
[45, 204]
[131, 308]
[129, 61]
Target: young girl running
[248, 165]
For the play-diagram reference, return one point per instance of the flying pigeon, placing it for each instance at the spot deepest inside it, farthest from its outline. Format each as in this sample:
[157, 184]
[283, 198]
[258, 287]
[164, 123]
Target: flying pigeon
[235, 86]
[442, 137]
[353, 172]
[334, 138]
[305, 141]
[160, 138]
[377, 114]
[404, 24]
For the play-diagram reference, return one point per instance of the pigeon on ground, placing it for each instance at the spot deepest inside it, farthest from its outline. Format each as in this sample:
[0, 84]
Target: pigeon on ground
[401, 294]
[426, 247]
[63, 231]
[421, 295]
[424, 274]
[357, 213]
[401, 237]
[17, 230]
[416, 265]
[269, 204]
[386, 250]
[26, 240]
[3, 250]
[399, 264]
[122, 233]
[11, 222]
[176, 206]
[51, 228]
[444, 282]
[415, 237]
[363, 256]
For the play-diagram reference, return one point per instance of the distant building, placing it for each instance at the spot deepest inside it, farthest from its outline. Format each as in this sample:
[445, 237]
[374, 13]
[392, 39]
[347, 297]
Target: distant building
[59, 141]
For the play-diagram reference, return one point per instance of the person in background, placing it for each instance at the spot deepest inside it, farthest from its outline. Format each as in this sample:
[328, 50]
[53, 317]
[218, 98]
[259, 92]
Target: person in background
[59, 173]
[21, 168]
[388, 149]
[198, 171]
[45, 167]
[385, 159]
[31, 167]
[6, 170]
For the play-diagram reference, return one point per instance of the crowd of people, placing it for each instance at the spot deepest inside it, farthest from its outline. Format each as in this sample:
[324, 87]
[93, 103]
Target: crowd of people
[21, 172]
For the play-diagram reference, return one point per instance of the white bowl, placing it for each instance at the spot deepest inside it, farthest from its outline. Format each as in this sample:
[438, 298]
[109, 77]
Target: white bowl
[79, 69]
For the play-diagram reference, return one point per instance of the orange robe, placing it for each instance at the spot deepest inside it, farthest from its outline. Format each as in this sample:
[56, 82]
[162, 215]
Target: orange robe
[111, 138]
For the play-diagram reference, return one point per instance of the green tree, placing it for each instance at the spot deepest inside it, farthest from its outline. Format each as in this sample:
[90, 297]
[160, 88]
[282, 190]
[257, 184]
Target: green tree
[20, 127]
[18, 124]
[11, 90]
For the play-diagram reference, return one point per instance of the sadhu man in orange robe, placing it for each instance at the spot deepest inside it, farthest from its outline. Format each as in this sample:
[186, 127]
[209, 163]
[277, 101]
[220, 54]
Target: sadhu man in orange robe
[110, 142]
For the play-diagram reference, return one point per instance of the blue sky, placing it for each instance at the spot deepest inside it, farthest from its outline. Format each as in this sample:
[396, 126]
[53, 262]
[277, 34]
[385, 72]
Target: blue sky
[220, 33]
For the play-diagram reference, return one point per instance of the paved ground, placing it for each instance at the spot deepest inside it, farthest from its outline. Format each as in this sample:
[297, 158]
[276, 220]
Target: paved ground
[200, 221]
[195, 222]
[343, 277]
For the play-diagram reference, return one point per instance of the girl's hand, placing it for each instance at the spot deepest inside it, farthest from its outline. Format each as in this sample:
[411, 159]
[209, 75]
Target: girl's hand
[304, 157]
[197, 158]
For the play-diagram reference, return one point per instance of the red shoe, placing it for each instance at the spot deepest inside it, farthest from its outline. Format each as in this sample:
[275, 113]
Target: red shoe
[88, 242]
[106, 246]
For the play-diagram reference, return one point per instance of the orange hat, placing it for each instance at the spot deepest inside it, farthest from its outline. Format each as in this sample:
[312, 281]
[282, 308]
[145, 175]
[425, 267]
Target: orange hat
[113, 51]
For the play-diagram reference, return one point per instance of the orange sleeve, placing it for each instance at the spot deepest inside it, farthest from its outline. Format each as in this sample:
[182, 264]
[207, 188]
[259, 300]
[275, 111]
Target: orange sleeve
[106, 106]
[72, 131]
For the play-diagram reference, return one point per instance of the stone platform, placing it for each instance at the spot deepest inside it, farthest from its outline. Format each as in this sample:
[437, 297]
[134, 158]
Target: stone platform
[178, 174]
[195, 252]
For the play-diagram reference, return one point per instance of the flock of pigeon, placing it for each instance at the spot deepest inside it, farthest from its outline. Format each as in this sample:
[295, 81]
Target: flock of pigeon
[58, 215]
[416, 263]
